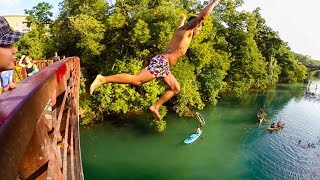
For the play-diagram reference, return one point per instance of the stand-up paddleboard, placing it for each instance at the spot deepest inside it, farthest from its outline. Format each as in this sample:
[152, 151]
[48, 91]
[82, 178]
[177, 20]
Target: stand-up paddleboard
[192, 137]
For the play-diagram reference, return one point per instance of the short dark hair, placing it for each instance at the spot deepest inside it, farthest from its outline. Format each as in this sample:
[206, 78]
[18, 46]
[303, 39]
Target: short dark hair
[194, 17]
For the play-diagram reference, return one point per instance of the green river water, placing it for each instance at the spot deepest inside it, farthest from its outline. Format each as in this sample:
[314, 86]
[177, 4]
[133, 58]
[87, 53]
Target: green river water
[233, 145]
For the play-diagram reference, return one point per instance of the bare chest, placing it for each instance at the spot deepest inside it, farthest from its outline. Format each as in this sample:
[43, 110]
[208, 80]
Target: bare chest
[180, 42]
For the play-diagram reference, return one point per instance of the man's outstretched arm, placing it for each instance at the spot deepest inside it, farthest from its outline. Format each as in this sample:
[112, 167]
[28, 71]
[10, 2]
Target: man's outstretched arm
[203, 14]
[206, 11]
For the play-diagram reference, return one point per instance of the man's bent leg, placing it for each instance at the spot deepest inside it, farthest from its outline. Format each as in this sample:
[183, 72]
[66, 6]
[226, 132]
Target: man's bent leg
[142, 77]
[173, 89]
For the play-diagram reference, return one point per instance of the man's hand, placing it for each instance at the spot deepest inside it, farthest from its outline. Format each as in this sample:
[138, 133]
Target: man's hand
[205, 12]
[12, 85]
[183, 17]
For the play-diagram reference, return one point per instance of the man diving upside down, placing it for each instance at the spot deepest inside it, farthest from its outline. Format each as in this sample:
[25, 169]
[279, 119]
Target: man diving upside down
[159, 66]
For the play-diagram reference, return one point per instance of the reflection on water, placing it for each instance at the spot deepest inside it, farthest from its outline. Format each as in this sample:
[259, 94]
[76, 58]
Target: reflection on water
[233, 146]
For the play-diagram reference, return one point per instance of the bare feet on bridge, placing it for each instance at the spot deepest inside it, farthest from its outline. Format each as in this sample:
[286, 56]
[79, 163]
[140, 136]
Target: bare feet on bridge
[155, 112]
[96, 83]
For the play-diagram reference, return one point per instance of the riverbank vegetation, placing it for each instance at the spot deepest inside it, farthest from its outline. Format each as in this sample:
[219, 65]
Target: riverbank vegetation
[235, 52]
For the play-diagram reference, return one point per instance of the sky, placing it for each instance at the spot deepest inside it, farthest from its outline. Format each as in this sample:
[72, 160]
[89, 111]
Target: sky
[296, 21]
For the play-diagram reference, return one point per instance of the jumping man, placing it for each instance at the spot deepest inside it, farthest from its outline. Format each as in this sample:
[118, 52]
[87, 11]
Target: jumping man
[159, 66]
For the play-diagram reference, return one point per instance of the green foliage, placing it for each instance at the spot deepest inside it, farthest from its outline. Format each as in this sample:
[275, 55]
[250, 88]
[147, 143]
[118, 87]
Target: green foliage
[91, 32]
[189, 96]
[158, 126]
[86, 112]
[38, 43]
[306, 59]
[117, 19]
[40, 14]
[291, 71]
[317, 74]
[120, 98]
[235, 51]
[141, 33]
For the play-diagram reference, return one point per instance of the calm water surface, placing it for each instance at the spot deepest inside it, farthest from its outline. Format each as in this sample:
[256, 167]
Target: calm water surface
[233, 145]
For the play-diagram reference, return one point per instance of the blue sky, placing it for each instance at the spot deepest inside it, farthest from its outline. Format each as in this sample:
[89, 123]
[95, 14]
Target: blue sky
[296, 21]
[16, 7]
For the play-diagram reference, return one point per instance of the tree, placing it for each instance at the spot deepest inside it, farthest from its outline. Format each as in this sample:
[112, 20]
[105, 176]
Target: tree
[40, 14]
[38, 43]
[235, 52]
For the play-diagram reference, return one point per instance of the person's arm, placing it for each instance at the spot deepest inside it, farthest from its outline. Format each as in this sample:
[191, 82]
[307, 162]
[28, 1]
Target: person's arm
[201, 16]
[12, 85]
[206, 11]
[10, 79]
[20, 61]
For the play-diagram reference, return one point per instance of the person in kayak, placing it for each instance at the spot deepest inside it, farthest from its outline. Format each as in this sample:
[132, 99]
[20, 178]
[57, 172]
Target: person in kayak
[198, 129]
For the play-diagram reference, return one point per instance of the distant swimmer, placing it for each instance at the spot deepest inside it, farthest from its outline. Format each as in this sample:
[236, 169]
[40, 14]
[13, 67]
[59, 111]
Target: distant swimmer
[272, 125]
[280, 125]
[261, 115]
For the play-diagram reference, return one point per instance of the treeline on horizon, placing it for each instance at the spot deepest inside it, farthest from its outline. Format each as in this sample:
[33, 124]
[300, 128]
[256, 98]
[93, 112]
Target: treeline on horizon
[235, 52]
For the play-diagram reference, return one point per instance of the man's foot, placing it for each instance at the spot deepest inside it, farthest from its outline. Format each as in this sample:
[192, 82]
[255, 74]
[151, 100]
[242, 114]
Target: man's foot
[96, 83]
[155, 112]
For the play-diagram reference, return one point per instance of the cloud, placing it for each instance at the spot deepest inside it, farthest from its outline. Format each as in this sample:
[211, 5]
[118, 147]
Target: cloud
[9, 3]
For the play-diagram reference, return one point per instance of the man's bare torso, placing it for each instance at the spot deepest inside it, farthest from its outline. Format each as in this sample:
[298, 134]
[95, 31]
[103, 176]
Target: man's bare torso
[178, 45]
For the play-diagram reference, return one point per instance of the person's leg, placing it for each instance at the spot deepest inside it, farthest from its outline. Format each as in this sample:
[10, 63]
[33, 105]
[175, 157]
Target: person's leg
[173, 89]
[142, 77]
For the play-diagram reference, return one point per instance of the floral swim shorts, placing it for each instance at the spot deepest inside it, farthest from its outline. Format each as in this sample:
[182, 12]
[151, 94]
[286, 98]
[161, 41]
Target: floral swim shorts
[159, 66]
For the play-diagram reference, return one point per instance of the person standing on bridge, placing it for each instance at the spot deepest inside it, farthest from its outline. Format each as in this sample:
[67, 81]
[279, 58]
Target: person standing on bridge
[30, 67]
[56, 58]
[7, 49]
[159, 66]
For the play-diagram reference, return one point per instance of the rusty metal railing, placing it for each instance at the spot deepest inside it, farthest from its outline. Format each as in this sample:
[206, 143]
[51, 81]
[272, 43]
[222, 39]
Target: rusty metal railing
[20, 73]
[39, 125]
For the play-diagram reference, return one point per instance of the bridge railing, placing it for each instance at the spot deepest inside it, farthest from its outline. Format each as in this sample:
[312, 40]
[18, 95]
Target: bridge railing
[21, 73]
[39, 125]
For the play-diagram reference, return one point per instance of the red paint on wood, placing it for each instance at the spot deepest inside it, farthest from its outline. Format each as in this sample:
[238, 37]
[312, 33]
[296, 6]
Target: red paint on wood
[61, 72]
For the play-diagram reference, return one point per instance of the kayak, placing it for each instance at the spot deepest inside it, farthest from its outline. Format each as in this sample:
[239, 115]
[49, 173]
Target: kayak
[192, 137]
